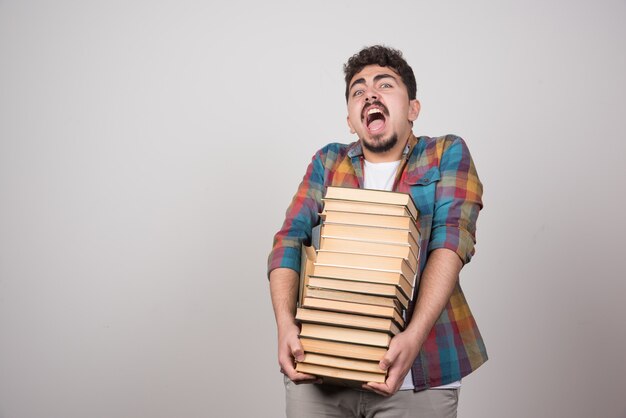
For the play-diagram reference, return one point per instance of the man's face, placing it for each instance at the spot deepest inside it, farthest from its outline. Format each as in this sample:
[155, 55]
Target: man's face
[379, 110]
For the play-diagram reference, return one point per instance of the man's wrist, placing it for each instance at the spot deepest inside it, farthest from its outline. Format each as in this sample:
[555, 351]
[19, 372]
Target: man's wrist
[287, 323]
[415, 334]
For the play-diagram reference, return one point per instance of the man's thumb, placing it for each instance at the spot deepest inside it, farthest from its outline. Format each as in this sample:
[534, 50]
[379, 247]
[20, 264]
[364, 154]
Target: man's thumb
[387, 360]
[298, 353]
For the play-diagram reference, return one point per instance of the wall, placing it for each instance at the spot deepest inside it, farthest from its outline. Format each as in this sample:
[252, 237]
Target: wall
[148, 151]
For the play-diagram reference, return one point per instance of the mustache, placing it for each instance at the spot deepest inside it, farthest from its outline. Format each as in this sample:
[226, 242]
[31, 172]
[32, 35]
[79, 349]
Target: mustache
[377, 104]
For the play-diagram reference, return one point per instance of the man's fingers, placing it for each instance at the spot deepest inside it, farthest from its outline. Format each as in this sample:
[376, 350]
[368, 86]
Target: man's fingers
[391, 385]
[307, 380]
[286, 365]
[287, 368]
[298, 378]
[291, 353]
[296, 349]
[379, 388]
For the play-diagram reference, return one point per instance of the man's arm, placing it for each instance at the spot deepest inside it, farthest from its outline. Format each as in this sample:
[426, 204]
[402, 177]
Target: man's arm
[438, 281]
[284, 292]
[284, 264]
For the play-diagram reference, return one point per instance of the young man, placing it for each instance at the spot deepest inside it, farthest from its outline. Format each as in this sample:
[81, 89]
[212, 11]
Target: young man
[441, 342]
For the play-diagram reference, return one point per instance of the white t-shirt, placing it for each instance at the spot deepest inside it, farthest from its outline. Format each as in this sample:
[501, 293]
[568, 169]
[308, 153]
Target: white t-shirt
[381, 176]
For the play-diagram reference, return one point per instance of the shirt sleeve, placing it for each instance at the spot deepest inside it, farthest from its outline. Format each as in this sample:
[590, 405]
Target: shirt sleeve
[301, 216]
[458, 200]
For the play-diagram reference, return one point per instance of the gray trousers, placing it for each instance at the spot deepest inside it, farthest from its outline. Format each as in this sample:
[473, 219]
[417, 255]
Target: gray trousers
[308, 400]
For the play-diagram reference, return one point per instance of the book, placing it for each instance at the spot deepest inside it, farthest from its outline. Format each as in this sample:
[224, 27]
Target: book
[346, 335]
[316, 316]
[363, 275]
[370, 247]
[367, 219]
[321, 293]
[307, 258]
[354, 308]
[373, 196]
[378, 289]
[365, 207]
[319, 370]
[371, 233]
[343, 363]
[356, 282]
[366, 261]
[338, 349]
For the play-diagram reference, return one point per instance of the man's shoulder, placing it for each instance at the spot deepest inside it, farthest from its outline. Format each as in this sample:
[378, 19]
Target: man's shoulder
[434, 141]
[433, 148]
[429, 152]
[338, 147]
[336, 151]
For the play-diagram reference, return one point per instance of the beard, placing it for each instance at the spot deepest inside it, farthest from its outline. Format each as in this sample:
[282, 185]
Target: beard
[380, 145]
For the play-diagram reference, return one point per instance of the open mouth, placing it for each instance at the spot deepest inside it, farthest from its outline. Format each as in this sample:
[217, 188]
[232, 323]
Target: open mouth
[374, 119]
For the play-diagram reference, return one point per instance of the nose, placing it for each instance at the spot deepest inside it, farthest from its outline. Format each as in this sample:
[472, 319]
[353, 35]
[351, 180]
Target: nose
[370, 95]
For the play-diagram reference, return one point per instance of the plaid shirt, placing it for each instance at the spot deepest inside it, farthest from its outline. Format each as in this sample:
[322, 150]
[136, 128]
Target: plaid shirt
[440, 176]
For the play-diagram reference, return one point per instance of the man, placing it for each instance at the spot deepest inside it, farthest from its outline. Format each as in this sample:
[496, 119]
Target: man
[441, 343]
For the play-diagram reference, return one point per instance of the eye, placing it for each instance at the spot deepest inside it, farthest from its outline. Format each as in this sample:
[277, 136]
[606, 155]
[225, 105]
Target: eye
[357, 93]
[385, 85]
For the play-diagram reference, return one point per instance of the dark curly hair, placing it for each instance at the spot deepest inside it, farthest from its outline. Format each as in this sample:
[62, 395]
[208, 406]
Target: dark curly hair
[385, 57]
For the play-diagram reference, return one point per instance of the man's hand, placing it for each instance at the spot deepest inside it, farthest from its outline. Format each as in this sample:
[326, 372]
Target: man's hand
[284, 291]
[438, 280]
[398, 360]
[289, 352]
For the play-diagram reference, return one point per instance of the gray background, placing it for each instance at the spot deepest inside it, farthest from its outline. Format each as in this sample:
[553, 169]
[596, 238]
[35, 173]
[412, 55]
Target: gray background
[148, 151]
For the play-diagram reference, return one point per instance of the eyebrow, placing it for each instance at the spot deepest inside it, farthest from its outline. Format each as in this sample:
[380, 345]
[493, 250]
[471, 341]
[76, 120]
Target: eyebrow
[376, 78]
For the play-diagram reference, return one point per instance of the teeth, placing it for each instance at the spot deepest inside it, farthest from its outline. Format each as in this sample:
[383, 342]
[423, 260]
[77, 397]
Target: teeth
[372, 111]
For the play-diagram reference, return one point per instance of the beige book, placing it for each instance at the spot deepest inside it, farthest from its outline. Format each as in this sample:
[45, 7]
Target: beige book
[372, 196]
[318, 370]
[321, 293]
[370, 247]
[343, 363]
[338, 349]
[354, 308]
[371, 233]
[360, 287]
[362, 275]
[346, 335]
[365, 207]
[347, 320]
[307, 258]
[366, 261]
[367, 219]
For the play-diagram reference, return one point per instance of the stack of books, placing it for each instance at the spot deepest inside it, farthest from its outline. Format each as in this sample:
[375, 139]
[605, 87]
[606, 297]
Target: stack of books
[357, 283]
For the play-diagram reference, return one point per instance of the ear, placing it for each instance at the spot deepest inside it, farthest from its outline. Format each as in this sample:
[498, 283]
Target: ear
[352, 131]
[414, 109]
